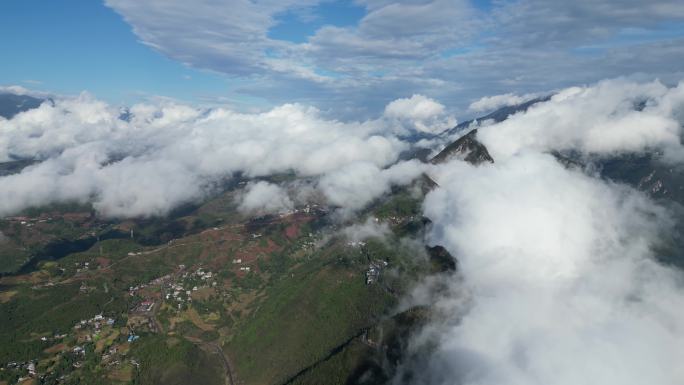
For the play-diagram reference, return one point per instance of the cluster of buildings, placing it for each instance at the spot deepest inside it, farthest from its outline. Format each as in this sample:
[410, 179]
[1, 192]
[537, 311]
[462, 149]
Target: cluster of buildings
[145, 306]
[29, 366]
[309, 243]
[27, 221]
[397, 220]
[96, 323]
[54, 338]
[79, 350]
[181, 292]
[111, 352]
[374, 270]
[308, 209]
[82, 266]
[203, 275]
[238, 261]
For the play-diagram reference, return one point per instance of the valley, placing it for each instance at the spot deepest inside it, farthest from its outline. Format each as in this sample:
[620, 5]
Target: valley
[224, 298]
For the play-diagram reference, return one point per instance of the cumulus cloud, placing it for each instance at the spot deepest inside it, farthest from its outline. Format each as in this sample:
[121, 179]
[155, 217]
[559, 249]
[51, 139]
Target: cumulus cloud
[610, 117]
[265, 198]
[17, 90]
[489, 103]
[558, 279]
[124, 160]
[357, 184]
[23, 91]
[368, 229]
[419, 113]
[559, 285]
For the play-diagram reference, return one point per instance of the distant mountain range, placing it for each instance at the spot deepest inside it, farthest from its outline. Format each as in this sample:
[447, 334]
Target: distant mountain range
[12, 104]
[497, 116]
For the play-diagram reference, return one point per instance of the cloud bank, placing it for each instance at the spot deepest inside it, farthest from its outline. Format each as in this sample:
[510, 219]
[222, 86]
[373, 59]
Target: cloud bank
[124, 160]
[558, 281]
[490, 103]
[607, 118]
[356, 185]
[265, 198]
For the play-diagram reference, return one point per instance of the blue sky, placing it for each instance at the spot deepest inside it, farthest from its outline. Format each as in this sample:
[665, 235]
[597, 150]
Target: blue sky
[81, 45]
[298, 26]
[349, 56]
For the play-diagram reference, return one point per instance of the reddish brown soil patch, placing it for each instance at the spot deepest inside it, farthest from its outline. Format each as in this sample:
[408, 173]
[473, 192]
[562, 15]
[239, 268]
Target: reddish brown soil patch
[104, 262]
[292, 231]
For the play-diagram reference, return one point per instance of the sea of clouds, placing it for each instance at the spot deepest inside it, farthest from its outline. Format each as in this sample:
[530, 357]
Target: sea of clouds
[558, 280]
[151, 158]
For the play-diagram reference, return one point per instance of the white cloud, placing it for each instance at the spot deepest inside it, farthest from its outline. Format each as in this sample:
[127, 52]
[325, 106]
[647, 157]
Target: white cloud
[233, 34]
[125, 166]
[357, 184]
[419, 113]
[558, 281]
[600, 119]
[20, 90]
[265, 198]
[490, 103]
[453, 50]
[559, 285]
[368, 229]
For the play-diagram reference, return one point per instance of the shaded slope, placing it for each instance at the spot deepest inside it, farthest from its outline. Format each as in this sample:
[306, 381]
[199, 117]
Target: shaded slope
[466, 148]
[12, 104]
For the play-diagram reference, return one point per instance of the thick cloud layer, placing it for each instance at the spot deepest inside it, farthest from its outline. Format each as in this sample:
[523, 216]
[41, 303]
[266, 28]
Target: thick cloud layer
[357, 184]
[490, 103]
[265, 198]
[125, 160]
[562, 285]
[610, 117]
[558, 283]
[158, 156]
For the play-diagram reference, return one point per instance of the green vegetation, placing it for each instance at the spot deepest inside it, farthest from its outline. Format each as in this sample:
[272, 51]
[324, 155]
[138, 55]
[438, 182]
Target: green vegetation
[402, 204]
[289, 310]
[171, 361]
[354, 364]
[47, 312]
[12, 258]
[303, 318]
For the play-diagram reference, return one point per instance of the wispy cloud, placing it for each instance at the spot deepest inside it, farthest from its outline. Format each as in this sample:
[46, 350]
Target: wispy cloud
[451, 50]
